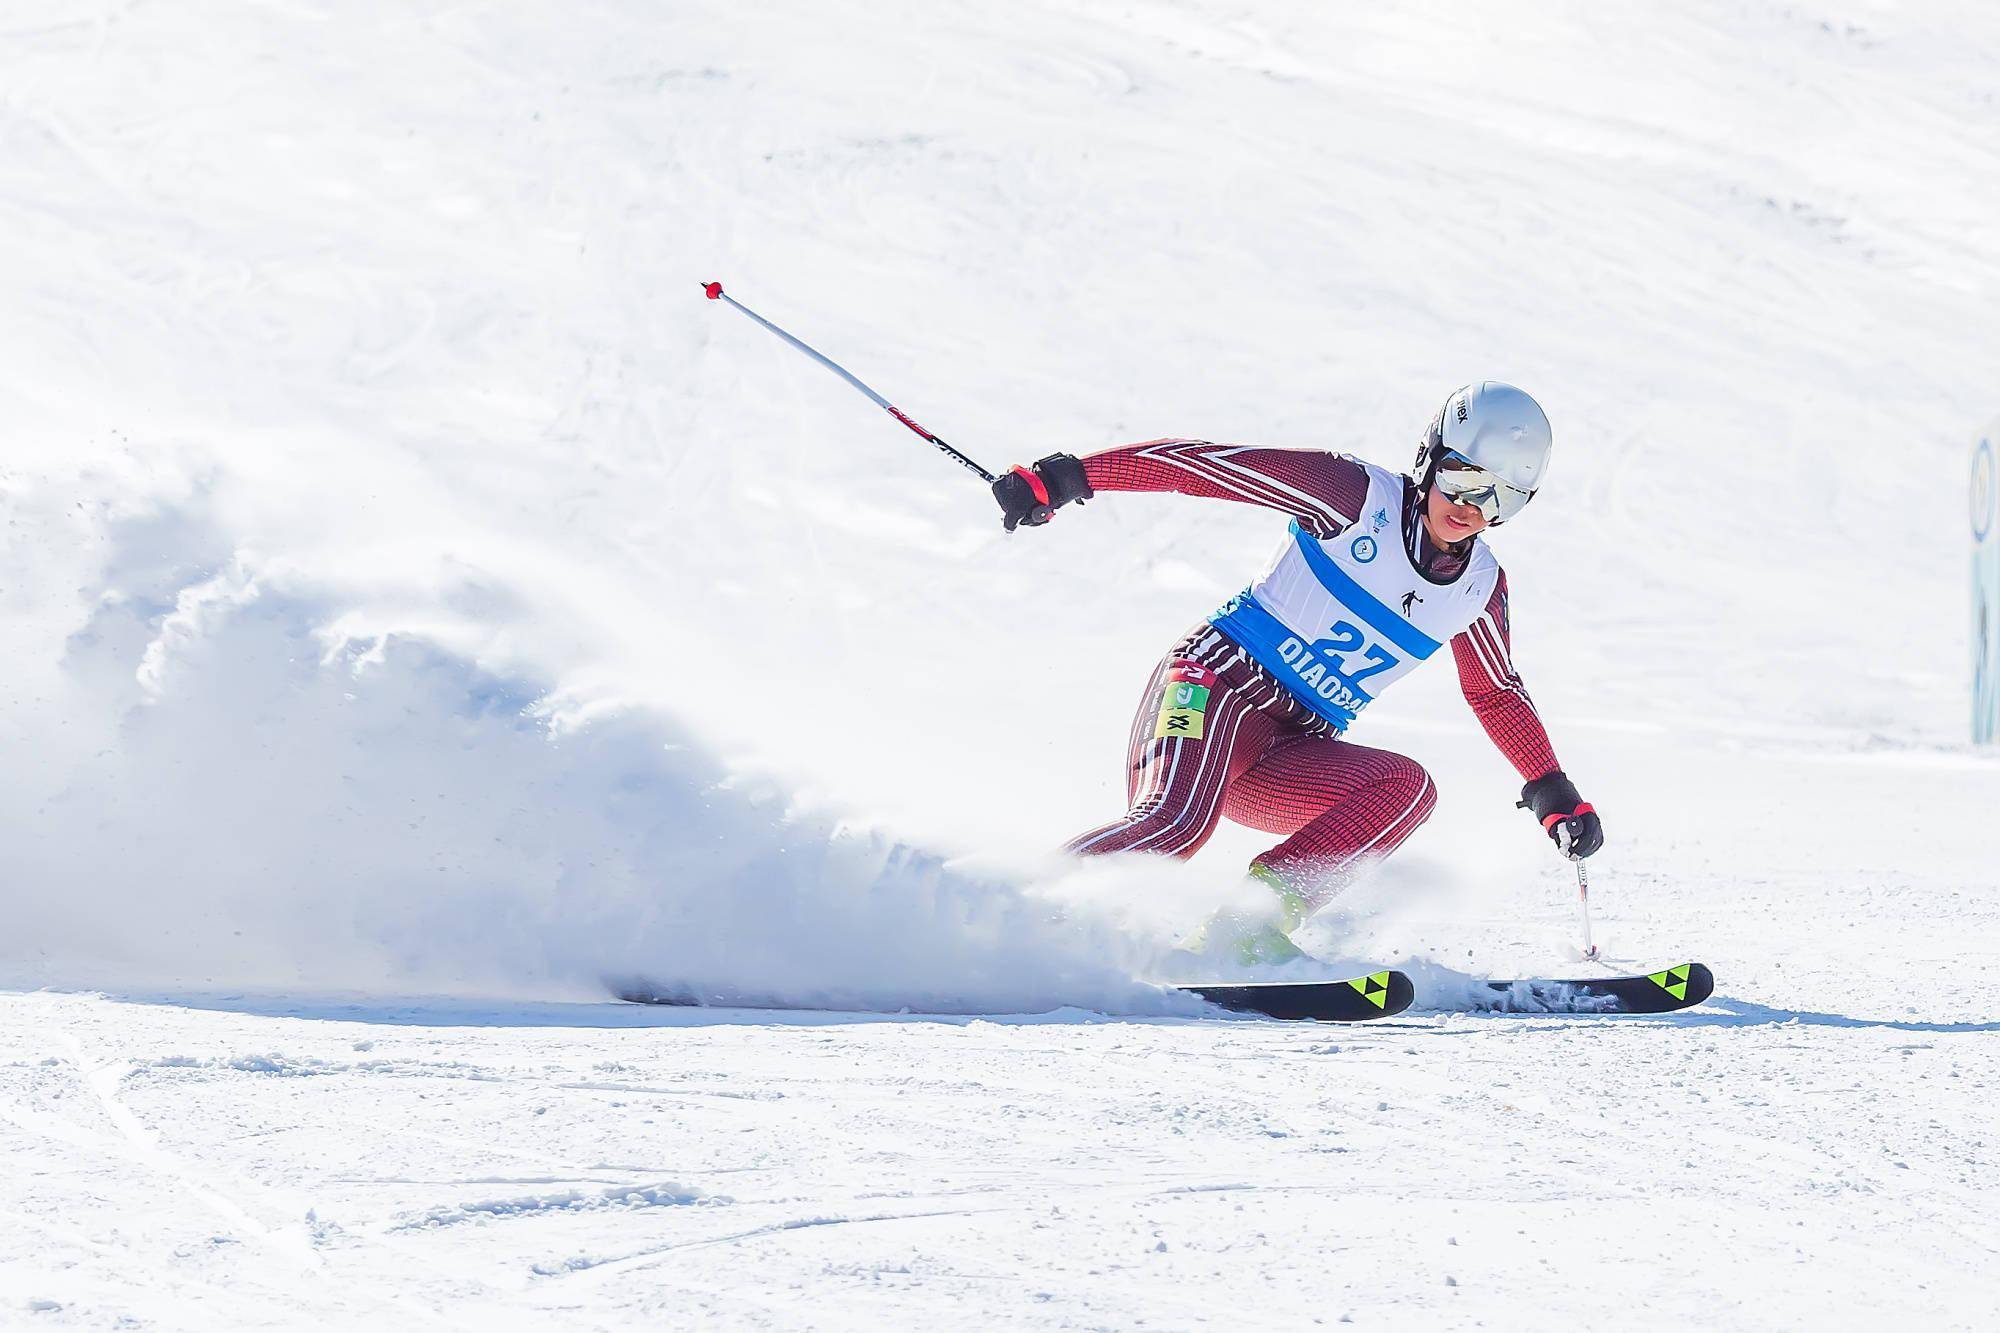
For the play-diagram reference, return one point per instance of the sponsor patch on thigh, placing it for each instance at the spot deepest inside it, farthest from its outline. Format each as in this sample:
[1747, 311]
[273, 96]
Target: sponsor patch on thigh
[1184, 703]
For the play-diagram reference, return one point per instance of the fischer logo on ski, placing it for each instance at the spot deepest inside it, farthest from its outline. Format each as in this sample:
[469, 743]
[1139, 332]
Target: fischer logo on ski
[1374, 988]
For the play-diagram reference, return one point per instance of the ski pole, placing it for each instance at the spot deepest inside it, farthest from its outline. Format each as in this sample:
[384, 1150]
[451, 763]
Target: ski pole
[1582, 893]
[715, 293]
[1583, 908]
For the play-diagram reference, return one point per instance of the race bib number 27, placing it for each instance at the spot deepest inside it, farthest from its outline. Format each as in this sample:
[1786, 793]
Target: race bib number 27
[1184, 703]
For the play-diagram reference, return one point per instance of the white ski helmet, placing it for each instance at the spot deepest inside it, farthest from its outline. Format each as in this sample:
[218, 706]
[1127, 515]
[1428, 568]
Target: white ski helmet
[1494, 429]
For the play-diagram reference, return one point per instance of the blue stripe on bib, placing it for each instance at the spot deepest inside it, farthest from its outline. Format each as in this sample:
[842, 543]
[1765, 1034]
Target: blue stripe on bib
[1260, 633]
[1361, 601]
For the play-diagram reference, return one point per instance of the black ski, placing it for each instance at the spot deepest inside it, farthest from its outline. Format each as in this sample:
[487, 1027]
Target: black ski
[1662, 992]
[1355, 1000]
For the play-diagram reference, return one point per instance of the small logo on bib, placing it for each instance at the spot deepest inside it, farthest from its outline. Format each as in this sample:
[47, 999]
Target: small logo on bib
[1363, 549]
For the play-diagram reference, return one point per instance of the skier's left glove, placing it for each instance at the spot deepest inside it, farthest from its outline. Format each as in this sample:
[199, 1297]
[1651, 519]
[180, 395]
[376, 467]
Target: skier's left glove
[1566, 817]
[1032, 495]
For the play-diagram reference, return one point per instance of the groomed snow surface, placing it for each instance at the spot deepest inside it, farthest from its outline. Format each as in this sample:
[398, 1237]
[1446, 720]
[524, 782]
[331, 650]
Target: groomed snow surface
[424, 614]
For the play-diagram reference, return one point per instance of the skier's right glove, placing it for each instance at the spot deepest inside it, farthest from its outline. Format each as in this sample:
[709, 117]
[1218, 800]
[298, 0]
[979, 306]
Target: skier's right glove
[1032, 495]
[1566, 817]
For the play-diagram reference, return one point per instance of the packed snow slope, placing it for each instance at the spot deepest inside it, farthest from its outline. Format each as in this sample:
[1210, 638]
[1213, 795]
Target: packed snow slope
[369, 427]
[413, 587]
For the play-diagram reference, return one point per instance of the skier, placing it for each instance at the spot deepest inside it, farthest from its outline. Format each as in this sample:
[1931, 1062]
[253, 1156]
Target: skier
[1246, 717]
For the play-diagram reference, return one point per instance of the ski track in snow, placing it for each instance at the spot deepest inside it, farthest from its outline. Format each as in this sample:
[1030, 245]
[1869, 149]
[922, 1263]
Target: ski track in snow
[424, 613]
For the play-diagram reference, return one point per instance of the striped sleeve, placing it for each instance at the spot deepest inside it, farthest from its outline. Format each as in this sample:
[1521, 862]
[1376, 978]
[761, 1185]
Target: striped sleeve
[1484, 652]
[1324, 491]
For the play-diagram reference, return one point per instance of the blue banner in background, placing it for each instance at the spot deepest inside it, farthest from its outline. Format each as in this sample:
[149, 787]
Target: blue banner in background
[1985, 512]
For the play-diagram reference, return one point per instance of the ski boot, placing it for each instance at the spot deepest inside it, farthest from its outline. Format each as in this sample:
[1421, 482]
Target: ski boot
[1255, 938]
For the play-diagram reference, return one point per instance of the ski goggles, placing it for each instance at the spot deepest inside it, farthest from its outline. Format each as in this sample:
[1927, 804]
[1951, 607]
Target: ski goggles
[1464, 482]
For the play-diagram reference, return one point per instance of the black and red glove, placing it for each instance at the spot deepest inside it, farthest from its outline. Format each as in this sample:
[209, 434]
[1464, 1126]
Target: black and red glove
[1566, 817]
[1032, 495]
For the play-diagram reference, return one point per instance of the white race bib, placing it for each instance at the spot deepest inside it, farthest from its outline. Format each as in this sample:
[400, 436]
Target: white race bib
[1338, 621]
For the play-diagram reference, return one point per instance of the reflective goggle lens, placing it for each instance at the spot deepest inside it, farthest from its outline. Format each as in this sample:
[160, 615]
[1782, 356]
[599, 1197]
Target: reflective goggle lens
[1464, 483]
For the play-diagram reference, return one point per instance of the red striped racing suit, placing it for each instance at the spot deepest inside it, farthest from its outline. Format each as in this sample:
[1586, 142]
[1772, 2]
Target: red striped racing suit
[1256, 754]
